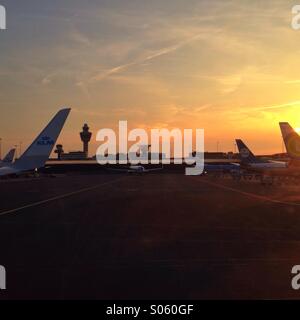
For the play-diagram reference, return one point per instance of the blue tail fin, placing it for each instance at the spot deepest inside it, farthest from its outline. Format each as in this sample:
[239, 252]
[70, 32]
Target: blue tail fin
[39, 151]
[245, 153]
[9, 158]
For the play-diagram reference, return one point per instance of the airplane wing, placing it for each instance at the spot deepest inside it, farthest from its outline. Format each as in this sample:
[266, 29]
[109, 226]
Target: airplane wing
[235, 164]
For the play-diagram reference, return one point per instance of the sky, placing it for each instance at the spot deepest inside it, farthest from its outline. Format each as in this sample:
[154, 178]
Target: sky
[231, 67]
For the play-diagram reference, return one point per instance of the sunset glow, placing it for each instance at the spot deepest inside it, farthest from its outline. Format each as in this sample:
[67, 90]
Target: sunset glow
[230, 67]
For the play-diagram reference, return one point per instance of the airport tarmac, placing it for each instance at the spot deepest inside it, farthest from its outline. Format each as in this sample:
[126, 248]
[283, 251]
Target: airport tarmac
[152, 236]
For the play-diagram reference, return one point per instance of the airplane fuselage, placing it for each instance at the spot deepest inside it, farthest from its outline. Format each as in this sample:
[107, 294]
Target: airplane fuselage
[5, 171]
[137, 169]
[267, 165]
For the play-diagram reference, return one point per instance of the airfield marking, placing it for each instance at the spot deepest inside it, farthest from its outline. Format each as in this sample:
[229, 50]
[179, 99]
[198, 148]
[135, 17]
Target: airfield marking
[251, 195]
[66, 195]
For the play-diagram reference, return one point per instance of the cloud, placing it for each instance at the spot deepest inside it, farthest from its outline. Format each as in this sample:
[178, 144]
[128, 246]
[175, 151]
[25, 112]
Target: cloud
[278, 106]
[157, 54]
[230, 83]
[257, 112]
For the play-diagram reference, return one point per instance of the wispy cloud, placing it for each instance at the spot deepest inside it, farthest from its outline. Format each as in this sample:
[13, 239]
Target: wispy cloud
[154, 55]
[279, 106]
[249, 110]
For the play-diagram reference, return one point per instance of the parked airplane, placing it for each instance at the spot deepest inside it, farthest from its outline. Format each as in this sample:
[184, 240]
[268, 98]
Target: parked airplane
[249, 164]
[254, 167]
[219, 169]
[39, 151]
[136, 169]
[250, 161]
[9, 158]
[267, 170]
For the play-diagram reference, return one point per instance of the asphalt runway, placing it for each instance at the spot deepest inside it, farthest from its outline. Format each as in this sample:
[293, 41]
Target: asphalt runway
[154, 236]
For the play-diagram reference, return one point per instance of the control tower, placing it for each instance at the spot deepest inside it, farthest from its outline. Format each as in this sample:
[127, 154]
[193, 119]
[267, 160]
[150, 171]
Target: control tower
[85, 136]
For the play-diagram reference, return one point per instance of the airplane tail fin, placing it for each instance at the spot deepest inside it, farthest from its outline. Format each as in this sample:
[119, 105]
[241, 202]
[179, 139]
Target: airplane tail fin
[39, 151]
[9, 158]
[291, 140]
[246, 155]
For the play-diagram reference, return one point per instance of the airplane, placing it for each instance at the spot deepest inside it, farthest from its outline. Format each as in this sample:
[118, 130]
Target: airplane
[219, 169]
[9, 158]
[250, 161]
[252, 166]
[136, 169]
[39, 151]
[268, 170]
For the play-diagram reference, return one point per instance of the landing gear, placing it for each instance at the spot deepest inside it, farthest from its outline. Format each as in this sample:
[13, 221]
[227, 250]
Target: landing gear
[36, 173]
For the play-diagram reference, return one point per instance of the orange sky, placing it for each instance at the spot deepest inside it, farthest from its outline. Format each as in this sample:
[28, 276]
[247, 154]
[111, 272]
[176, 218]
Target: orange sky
[230, 67]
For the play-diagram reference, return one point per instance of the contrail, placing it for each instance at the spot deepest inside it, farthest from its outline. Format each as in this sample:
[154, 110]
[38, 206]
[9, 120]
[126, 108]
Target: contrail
[155, 55]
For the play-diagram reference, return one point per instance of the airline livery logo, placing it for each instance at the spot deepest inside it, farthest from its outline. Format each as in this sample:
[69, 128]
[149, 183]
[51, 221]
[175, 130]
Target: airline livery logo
[45, 141]
[244, 153]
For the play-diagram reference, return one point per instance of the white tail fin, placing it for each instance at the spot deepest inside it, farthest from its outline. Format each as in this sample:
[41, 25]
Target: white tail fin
[9, 158]
[39, 151]
[291, 140]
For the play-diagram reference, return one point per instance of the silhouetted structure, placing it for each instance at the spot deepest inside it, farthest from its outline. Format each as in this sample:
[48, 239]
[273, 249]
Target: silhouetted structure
[74, 155]
[59, 151]
[85, 136]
